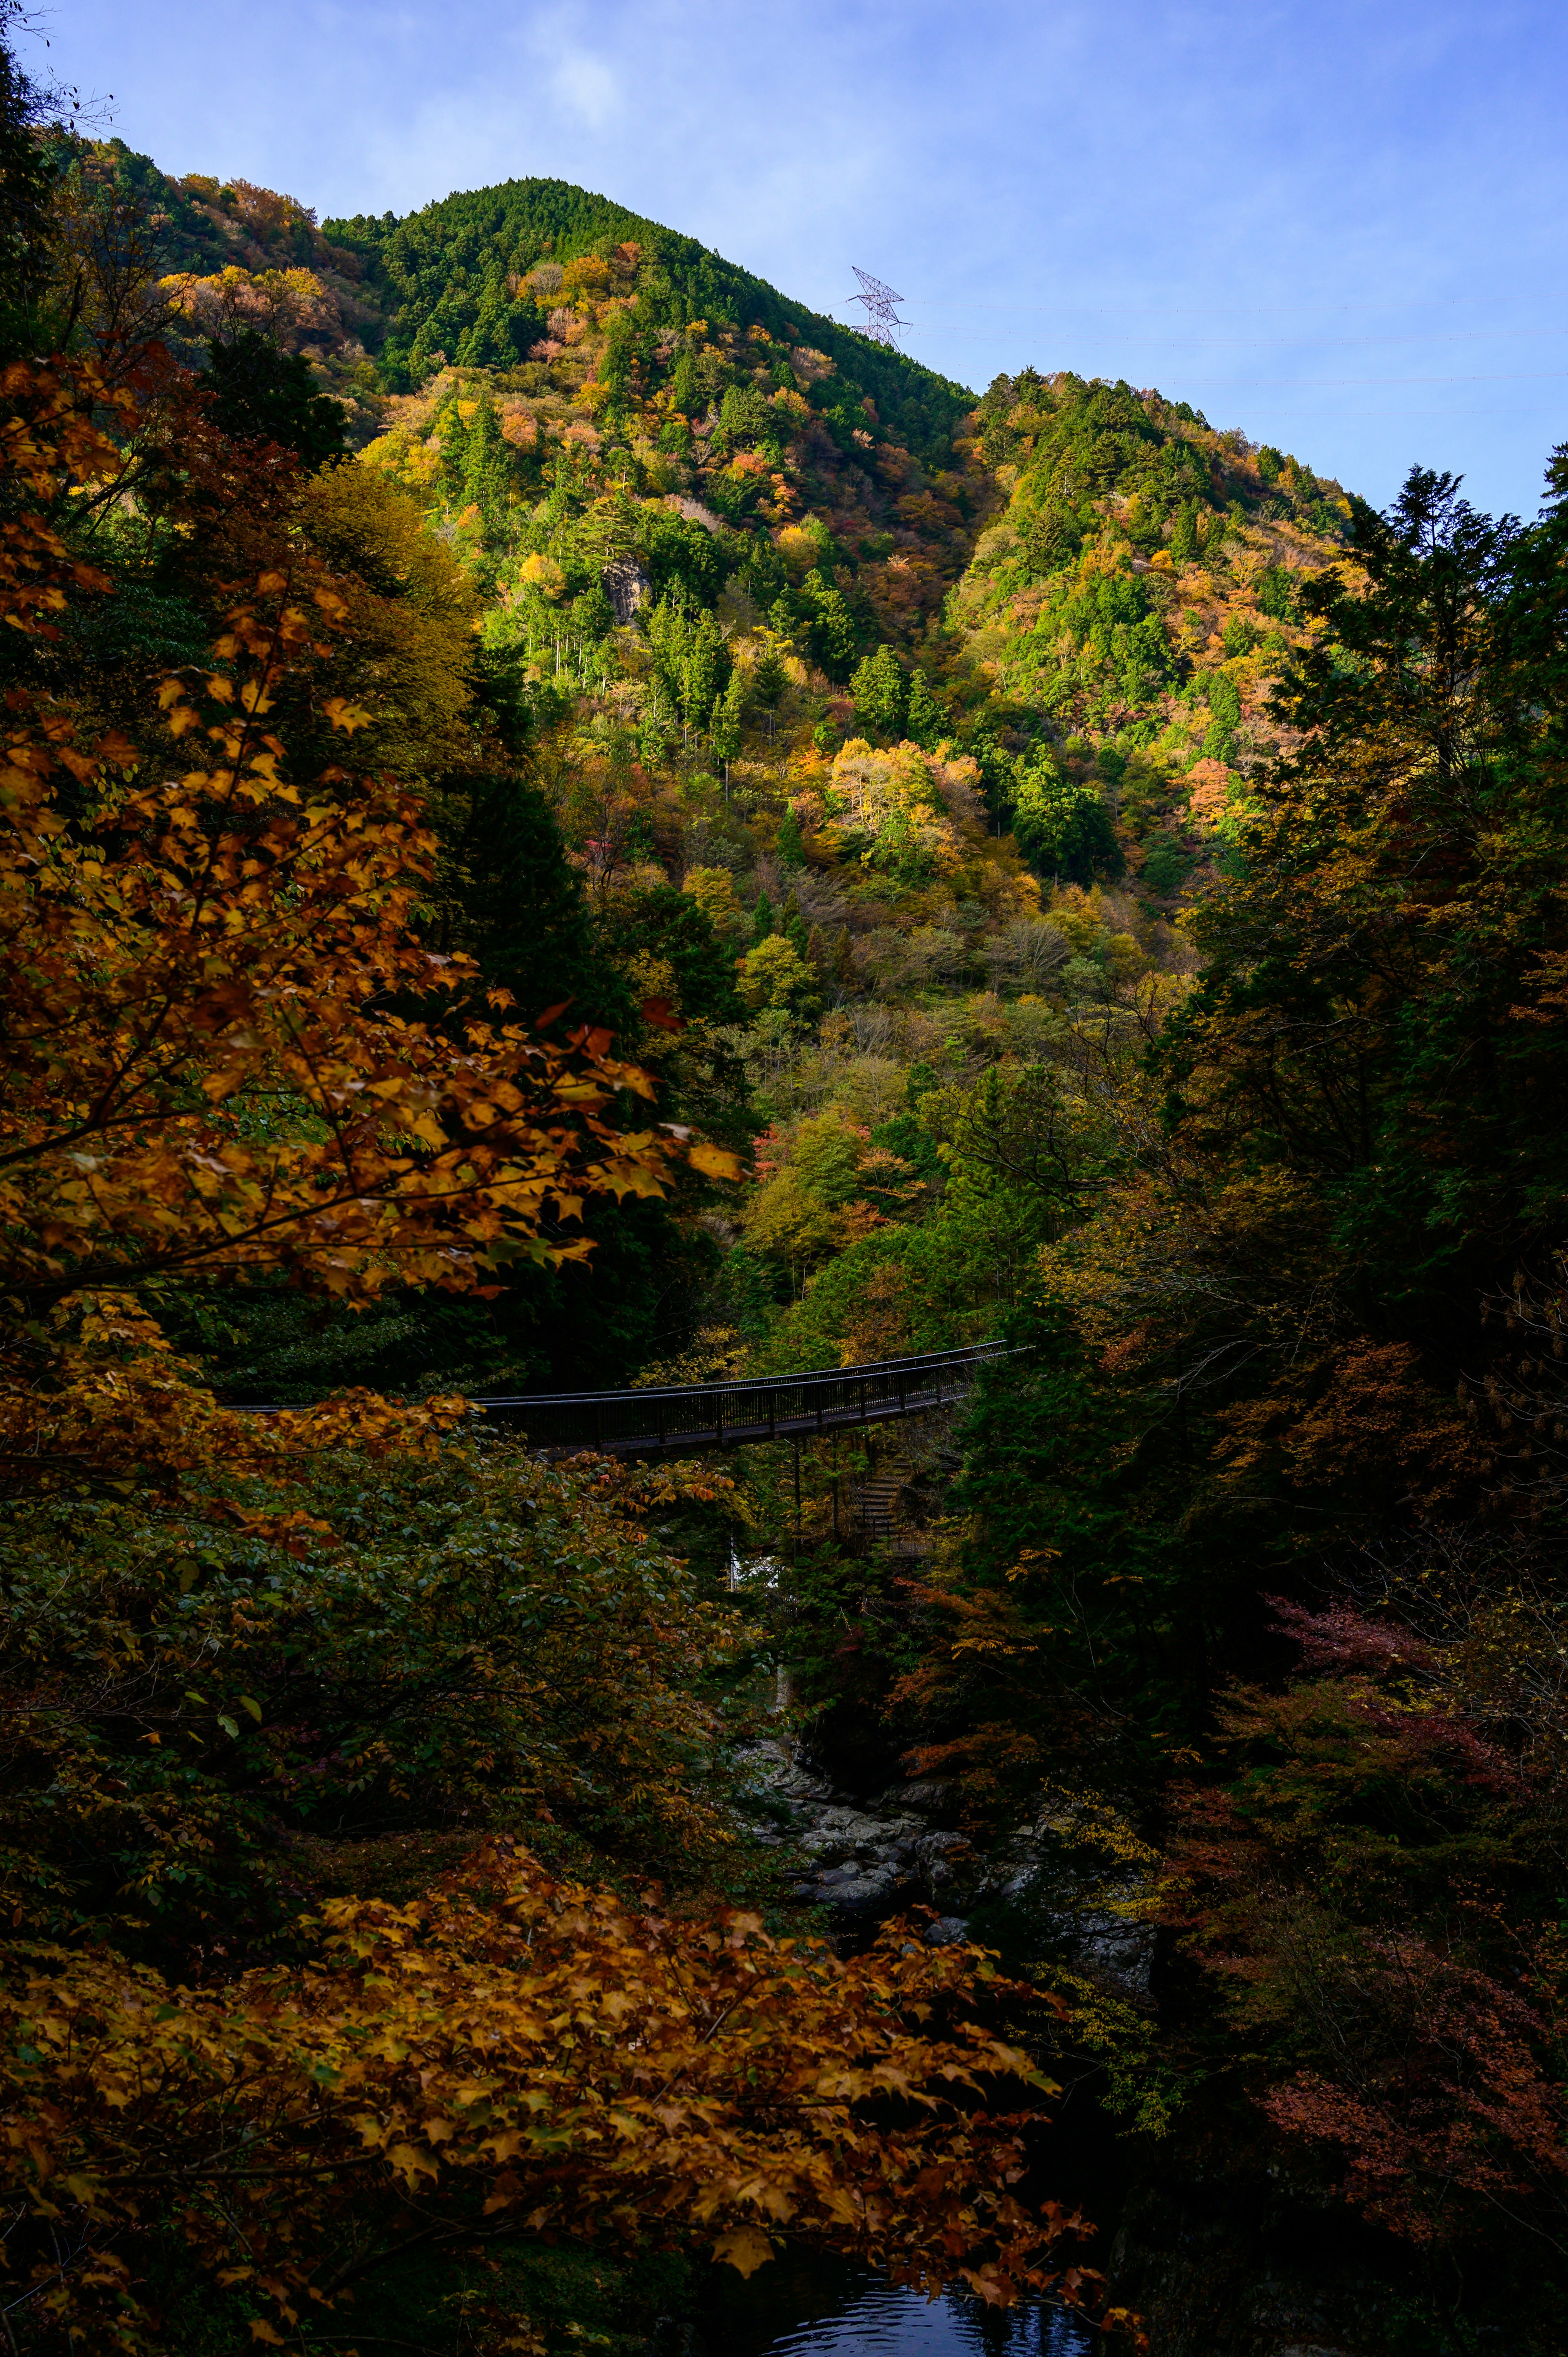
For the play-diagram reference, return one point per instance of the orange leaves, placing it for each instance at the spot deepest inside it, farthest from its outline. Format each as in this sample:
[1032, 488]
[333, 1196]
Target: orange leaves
[203, 1074]
[716, 1162]
[48, 442]
[594, 2068]
[202, 1069]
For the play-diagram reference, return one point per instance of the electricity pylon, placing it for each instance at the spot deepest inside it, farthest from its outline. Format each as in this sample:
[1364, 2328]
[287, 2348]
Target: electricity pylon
[881, 304]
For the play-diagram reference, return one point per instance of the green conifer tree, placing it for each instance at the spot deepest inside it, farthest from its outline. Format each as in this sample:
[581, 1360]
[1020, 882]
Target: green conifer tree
[881, 694]
[792, 849]
[486, 461]
[263, 394]
[762, 923]
[830, 629]
[768, 681]
[725, 731]
[793, 926]
[704, 672]
[685, 390]
[925, 720]
[615, 367]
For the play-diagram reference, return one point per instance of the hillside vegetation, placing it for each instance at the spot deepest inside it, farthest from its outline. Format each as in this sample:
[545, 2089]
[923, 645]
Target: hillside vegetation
[572, 823]
[933, 711]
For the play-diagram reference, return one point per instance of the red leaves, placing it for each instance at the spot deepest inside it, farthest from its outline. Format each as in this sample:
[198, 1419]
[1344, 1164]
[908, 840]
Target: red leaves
[1450, 2103]
[1342, 1639]
[1362, 1798]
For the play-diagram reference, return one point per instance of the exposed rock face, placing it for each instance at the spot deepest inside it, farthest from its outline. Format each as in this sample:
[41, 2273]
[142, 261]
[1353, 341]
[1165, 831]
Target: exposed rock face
[869, 1859]
[627, 587]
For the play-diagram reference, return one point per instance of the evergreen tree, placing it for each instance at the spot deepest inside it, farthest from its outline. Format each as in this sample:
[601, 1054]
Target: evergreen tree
[1225, 704]
[768, 681]
[792, 849]
[1275, 595]
[1430, 748]
[725, 734]
[615, 367]
[263, 394]
[925, 720]
[762, 923]
[1050, 1519]
[523, 914]
[830, 627]
[486, 460]
[705, 670]
[685, 390]
[793, 926]
[693, 656]
[451, 429]
[656, 727]
[1062, 824]
[1184, 532]
[881, 694]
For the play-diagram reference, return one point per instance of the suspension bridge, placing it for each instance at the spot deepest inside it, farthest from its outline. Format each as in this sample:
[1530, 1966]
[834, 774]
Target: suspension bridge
[738, 1414]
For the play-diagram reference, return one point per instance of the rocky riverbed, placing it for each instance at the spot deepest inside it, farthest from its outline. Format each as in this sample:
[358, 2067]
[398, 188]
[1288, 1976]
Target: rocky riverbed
[1224, 2253]
[868, 1858]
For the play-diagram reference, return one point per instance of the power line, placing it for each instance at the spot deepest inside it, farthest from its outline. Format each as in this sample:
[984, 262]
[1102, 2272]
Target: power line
[1294, 343]
[1066, 306]
[1342, 383]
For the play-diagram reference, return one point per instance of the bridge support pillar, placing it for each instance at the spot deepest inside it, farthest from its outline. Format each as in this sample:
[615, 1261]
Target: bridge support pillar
[796, 1456]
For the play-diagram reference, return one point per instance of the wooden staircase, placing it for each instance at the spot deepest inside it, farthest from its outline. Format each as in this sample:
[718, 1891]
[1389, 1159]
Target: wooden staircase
[878, 1499]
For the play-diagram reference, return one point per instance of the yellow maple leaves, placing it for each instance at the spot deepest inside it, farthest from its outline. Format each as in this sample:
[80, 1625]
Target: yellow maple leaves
[594, 2067]
[204, 1070]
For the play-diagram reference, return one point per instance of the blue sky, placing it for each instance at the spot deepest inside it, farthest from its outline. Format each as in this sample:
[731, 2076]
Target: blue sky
[1340, 226]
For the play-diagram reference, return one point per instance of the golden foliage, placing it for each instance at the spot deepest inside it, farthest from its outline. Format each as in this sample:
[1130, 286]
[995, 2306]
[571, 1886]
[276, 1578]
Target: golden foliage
[910, 809]
[412, 613]
[204, 1070]
[578, 2064]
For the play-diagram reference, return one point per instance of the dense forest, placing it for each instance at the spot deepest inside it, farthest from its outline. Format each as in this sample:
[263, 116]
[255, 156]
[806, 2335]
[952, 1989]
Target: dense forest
[572, 824]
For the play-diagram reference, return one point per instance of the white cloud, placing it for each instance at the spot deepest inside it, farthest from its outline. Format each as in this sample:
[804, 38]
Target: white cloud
[587, 87]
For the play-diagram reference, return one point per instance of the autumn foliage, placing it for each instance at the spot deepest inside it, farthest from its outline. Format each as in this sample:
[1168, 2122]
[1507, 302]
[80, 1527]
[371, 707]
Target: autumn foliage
[228, 1046]
[1103, 887]
[512, 2053]
[230, 1053]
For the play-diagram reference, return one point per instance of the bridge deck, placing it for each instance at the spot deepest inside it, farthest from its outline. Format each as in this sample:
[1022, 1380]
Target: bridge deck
[733, 1414]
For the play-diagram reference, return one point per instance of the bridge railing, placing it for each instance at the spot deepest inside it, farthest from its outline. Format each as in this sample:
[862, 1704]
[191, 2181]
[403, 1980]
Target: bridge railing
[723, 1414]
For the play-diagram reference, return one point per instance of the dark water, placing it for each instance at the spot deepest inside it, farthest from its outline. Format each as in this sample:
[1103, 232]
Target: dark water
[810, 2312]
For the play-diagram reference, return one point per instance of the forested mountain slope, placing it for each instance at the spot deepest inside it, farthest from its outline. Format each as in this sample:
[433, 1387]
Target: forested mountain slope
[731, 559]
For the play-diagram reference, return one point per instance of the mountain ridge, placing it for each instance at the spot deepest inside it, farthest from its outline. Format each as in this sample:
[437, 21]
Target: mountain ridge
[928, 711]
[505, 229]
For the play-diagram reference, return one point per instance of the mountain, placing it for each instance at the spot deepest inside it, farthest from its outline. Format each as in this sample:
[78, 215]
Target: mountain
[454, 280]
[937, 707]
[1074, 565]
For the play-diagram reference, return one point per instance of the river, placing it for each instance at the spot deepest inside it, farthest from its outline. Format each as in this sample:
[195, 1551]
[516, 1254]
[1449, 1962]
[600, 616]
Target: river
[799, 2308]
